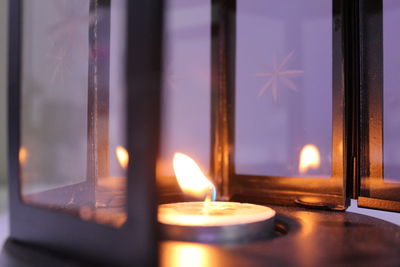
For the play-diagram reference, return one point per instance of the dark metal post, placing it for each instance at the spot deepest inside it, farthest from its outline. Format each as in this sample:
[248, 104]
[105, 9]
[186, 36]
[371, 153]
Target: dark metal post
[223, 90]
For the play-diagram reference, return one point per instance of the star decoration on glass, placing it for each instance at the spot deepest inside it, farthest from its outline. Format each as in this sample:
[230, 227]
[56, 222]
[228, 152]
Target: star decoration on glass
[279, 75]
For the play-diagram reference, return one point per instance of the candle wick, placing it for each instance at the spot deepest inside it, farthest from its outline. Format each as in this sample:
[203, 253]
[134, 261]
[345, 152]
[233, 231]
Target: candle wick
[205, 205]
[211, 196]
[213, 193]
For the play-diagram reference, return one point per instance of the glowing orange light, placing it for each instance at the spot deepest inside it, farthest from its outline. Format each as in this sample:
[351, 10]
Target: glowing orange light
[122, 156]
[186, 254]
[22, 155]
[309, 158]
[191, 179]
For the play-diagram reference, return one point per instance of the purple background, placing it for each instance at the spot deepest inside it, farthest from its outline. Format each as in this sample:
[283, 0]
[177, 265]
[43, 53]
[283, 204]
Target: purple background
[186, 92]
[391, 93]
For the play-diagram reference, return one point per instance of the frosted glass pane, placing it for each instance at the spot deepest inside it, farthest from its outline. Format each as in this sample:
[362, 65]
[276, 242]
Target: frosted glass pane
[284, 88]
[391, 93]
[73, 108]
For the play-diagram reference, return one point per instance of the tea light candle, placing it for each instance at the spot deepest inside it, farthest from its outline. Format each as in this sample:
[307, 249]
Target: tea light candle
[215, 222]
[212, 213]
[209, 221]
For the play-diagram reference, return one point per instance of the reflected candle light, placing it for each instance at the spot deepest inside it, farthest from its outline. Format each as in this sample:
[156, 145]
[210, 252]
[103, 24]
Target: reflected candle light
[122, 156]
[209, 221]
[309, 158]
[22, 155]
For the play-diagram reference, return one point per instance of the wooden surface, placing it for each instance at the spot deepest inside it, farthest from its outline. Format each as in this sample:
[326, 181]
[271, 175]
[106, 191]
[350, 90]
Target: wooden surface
[313, 238]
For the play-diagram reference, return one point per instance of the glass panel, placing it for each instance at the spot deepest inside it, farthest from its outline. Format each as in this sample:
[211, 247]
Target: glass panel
[186, 86]
[283, 100]
[73, 110]
[391, 94]
[380, 187]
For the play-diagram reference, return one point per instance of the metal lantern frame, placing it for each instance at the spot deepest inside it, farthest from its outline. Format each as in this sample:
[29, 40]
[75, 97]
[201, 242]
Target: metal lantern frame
[356, 94]
[136, 241]
[331, 193]
[374, 191]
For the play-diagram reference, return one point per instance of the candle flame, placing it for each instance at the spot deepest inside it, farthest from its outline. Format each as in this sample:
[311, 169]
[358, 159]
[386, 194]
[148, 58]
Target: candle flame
[191, 179]
[122, 156]
[309, 158]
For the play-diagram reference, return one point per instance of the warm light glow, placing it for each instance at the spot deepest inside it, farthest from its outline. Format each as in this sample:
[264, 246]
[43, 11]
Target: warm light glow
[309, 158]
[122, 156]
[191, 179]
[22, 155]
[218, 213]
[186, 254]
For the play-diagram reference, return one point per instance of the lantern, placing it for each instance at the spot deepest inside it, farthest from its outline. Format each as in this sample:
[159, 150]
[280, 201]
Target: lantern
[269, 102]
